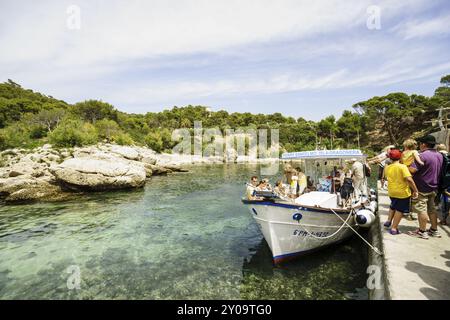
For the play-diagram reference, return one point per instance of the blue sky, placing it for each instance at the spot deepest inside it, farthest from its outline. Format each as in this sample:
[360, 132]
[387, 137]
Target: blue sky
[301, 58]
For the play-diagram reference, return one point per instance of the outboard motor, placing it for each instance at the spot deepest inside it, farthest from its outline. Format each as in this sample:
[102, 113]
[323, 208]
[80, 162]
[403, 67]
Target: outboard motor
[364, 218]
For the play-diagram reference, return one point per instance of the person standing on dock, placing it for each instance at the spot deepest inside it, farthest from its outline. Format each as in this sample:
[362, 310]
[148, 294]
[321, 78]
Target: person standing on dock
[427, 179]
[400, 183]
[381, 161]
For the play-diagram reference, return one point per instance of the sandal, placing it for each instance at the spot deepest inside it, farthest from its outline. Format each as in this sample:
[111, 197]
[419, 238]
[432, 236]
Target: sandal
[394, 233]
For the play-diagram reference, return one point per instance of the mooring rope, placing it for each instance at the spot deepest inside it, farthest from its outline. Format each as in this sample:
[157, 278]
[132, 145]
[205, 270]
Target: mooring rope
[375, 249]
[333, 234]
[345, 222]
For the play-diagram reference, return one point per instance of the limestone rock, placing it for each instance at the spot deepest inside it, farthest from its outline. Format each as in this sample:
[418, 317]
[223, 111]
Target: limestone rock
[126, 152]
[95, 174]
[23, 188]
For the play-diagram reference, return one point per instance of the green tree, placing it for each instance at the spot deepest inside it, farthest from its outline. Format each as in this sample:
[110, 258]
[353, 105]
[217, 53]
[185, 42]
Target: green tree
[351, 128]
[94, 110]
[394, 112]
[107, 129]
[443, 91]
[48, 118]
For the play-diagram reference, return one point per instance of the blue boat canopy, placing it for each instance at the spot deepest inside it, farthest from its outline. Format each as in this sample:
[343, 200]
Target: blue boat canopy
[323, 154]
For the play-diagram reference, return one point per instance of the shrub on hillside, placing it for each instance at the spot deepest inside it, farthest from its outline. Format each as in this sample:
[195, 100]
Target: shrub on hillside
[123, 139]
[16, 136]
[154, 141]
[73, 132]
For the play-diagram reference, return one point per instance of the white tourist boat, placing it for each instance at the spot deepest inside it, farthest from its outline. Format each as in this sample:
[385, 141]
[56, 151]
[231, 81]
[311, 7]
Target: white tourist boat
[315, 219]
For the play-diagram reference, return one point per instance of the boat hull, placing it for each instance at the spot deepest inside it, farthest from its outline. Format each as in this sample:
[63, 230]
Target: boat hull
[292, 230]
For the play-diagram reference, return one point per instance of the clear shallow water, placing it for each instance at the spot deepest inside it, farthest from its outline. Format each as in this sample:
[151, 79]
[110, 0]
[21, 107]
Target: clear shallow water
[185, 236]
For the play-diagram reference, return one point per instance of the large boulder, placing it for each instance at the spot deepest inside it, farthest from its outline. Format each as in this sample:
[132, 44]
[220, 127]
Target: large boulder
[97, 174]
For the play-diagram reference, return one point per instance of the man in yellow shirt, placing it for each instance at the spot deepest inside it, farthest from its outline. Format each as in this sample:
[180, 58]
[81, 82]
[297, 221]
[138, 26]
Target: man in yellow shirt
[400, 183]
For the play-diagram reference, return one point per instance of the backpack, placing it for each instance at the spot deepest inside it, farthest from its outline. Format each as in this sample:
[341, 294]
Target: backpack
[346, 188]
[367, 170]
[444, 179]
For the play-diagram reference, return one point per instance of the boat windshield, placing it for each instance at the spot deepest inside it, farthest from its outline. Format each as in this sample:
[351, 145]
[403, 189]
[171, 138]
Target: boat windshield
[321, 171]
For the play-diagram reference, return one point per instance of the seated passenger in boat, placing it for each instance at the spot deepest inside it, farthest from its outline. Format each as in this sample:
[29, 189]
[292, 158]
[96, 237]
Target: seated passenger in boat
[262, 186]
[267, 184]
[251, 187]
[310, 184]
[324, 184]
[280, 190]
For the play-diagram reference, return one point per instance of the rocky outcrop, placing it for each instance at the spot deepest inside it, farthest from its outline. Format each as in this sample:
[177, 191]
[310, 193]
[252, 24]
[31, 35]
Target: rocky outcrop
[96, 175]
[49, 174]
[26, 188]
[46, 173]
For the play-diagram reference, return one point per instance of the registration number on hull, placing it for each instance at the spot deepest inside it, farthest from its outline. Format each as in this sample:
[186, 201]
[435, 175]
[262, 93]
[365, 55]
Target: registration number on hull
[303, 233]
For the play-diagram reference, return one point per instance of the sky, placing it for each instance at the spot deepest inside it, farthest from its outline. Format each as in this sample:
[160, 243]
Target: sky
[305, 59]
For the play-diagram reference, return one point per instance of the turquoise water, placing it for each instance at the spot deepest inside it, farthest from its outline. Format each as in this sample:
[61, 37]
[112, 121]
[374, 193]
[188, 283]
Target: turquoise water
[184, 236]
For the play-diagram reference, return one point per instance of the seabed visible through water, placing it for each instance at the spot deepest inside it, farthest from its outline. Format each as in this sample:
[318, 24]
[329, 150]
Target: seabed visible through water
[184, 236]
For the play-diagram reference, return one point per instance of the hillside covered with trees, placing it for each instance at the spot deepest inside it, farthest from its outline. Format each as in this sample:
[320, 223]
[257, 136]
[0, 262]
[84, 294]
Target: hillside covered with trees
[29, 119]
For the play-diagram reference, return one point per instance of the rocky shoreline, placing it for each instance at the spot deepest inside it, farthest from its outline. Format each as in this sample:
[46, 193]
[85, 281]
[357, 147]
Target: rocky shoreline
[50, 174]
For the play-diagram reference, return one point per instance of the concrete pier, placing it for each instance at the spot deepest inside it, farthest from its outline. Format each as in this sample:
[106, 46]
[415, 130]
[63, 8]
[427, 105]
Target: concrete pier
[415, 268]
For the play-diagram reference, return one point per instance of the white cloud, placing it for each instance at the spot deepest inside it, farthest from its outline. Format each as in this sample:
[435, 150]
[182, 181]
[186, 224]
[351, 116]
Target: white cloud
[119, 38]
[417, 29]
[119, 30]
[277, 84]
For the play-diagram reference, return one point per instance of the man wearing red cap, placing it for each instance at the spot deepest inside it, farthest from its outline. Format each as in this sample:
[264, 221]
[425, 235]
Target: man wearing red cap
[400, 183]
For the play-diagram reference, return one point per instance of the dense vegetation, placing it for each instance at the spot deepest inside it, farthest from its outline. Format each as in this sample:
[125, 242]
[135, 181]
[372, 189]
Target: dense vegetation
[29, 119]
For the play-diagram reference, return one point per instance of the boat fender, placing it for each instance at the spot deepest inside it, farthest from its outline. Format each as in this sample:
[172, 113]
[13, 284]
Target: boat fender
[364, 217]
[297, 216]
[373, 206]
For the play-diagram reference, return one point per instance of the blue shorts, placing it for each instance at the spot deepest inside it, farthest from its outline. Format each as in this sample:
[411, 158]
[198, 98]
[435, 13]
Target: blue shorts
[401, 205]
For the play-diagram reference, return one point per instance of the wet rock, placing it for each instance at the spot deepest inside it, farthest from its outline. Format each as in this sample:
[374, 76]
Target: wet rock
[19, 189]
[175, 168]
[159, 170]
[41, 191]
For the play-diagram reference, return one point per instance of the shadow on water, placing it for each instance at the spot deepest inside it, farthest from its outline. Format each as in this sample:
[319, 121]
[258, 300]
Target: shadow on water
[438, 279]
[331, 273]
